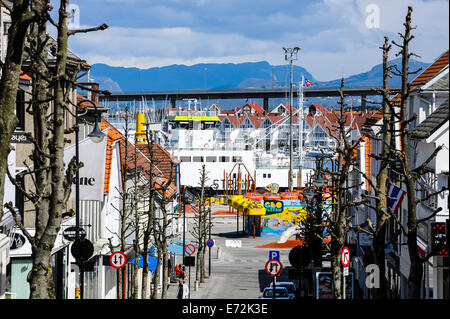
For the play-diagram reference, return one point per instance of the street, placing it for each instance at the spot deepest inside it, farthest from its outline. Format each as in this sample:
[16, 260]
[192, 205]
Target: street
[239, 272]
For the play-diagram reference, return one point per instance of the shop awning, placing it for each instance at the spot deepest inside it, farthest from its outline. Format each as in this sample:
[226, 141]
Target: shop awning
[152, 261]
[176, 249]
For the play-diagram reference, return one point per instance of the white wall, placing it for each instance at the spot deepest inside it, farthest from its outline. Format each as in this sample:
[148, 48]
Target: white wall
[4, 261]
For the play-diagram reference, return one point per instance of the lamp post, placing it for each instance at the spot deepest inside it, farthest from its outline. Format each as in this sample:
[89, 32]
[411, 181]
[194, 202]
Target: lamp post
[290, 54]
[96, 136]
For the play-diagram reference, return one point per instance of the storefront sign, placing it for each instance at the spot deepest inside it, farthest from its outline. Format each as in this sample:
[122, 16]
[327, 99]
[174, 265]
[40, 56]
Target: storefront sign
[19, 138]
[92, 174]
[273, 206]
[17, 241]
[70, 233]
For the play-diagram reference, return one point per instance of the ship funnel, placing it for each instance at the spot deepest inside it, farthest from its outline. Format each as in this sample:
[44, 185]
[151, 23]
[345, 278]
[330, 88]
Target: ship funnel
[140, 129]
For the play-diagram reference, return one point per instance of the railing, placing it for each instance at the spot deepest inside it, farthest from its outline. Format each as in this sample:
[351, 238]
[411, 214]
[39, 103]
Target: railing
[192, 113]
[428, 185]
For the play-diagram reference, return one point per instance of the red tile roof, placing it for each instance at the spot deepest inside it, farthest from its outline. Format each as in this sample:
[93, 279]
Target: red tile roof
[136, 156]
[431, 71]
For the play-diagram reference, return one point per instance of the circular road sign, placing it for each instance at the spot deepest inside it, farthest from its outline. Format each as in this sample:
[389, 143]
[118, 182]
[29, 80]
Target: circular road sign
[82, 249]
[118, 260]
[345, 256]
[274, 267]
[189, 249]
[300, 256]
[210, 242]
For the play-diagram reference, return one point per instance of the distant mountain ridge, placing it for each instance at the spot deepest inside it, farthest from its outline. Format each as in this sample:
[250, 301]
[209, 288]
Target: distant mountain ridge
[227, 76]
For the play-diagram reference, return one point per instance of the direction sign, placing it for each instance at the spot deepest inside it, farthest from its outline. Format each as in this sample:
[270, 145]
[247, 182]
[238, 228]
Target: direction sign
[274, 254]
[210, 242]
[118, 260]
[274, 267]
[345, 256]
[70, 233]
[189, 249]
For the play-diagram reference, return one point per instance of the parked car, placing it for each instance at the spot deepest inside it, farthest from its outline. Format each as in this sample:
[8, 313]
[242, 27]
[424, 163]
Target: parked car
[290, 286]
[280, 293]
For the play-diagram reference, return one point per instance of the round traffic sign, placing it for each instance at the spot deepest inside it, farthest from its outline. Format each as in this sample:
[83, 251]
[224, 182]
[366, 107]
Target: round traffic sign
[274, 267]
[300, 256]
[345, 256]
[210, 242]
[118, 260]
[189, 249]
[82, 249]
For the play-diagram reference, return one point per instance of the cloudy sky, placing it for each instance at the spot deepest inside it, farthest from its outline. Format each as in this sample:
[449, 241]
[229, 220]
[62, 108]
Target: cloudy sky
[337, 37]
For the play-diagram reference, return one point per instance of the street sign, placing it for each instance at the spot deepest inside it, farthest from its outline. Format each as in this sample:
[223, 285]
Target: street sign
[118, 260]
[438, 239]
[345, 256]
[189, 261]
[189, 249]
[210, 242]
[82, 249]
[274, 267]
[274, 254]
[300, 256]
[346, 271]
[70, 233]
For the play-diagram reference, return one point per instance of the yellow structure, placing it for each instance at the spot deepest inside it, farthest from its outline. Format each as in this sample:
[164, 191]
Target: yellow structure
[141, 137]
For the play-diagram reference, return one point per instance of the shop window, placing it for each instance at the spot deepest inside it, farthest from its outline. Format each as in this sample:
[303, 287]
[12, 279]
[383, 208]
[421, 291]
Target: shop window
[20, 110]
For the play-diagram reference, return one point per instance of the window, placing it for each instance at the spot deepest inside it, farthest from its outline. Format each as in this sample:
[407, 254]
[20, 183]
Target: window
[237, 159]
[6, 26]
[19, 196]
[224, 159]
[197, 159]
[212, 159]
[185, 158]
[20, 110]
[264, 175]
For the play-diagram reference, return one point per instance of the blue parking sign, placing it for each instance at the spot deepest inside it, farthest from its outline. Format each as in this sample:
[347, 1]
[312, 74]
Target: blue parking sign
[274, 254]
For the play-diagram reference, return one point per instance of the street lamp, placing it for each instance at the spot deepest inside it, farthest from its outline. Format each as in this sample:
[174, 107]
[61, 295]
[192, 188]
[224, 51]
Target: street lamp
[96, 136]
[290, 54]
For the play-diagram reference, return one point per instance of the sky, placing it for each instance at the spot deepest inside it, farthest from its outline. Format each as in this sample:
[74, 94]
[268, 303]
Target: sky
[337, 37]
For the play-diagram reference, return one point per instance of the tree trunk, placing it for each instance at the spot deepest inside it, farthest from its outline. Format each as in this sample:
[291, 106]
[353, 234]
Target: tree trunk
[382, 178]
[41, 275]
[21, 18]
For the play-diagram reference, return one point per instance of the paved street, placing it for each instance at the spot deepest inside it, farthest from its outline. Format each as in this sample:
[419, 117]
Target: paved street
[239, 272]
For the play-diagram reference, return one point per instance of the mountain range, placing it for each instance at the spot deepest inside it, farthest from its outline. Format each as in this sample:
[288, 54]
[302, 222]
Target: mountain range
[227, 76]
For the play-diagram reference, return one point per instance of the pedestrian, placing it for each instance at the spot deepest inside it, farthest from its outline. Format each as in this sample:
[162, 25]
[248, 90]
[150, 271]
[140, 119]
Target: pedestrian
[185, 289]
[178, 270]
[180, 292]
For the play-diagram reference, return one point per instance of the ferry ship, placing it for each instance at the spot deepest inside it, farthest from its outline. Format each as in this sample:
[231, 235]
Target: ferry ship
[248, 141]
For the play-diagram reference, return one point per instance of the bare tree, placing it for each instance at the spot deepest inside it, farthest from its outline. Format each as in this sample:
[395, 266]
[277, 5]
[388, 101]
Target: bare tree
[21, 18]
[201, 226]
[385, 160]
[52, 83]
[338, 223]
[409, 174]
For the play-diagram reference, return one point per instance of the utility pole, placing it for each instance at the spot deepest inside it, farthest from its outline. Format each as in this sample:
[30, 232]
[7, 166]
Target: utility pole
[290, 54]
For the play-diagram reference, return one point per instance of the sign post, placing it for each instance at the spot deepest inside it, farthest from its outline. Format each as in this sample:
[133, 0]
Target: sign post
[189, 249]
[273, 267]
[345, 261]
